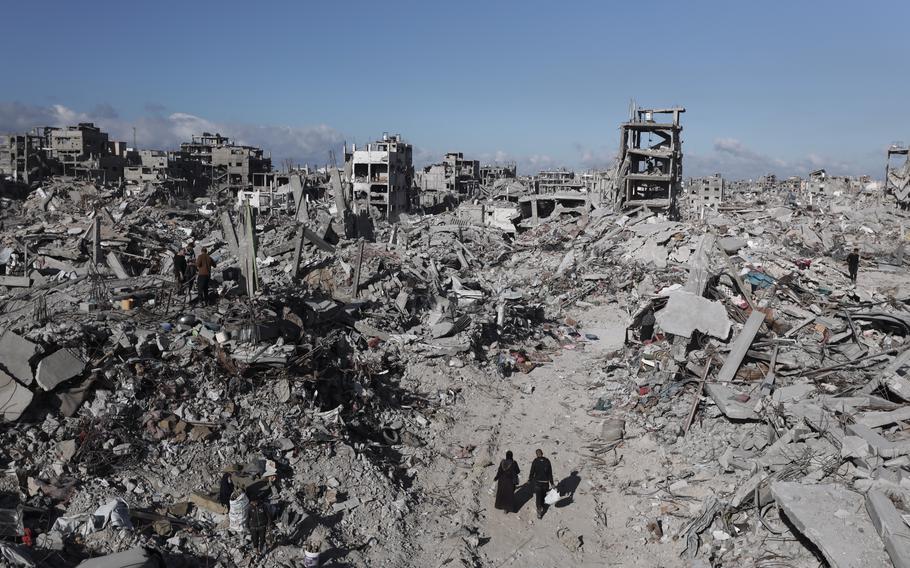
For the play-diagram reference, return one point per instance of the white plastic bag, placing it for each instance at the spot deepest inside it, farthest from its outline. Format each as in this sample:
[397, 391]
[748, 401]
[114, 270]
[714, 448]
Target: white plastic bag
[552, 497]
[240, 508]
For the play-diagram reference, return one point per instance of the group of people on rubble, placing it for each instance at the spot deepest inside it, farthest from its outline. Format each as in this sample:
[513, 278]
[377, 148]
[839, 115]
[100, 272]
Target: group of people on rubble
[540, 481]
[187, 264]
[259, 516]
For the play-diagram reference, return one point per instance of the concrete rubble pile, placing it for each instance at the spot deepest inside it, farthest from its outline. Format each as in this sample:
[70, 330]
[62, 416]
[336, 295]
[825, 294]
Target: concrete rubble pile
[325, 376]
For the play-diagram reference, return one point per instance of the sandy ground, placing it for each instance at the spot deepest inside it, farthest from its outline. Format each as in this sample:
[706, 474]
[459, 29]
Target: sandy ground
[555, 418]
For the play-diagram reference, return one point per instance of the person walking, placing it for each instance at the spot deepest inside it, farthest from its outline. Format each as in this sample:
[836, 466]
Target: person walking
[259, 520]
[204, 265]
[541, 479]
[853, 264]
[506, 481]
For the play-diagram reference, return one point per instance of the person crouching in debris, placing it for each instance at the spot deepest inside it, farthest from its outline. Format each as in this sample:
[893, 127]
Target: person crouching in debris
[204, 265]
[646, 333]
[259, 519]
[540, 479]
[507, 480]
[853, 264]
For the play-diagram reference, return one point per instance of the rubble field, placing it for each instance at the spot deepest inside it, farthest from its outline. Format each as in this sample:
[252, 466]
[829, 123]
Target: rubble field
[366, 388]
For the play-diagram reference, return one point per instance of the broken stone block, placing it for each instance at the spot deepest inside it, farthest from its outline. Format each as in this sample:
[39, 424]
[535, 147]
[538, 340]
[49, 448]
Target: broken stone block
[66, 450]
[892, 529]
[199, 433]
[835, 520]
[15, 354]
[15, 398]
[57, 368]
[208, 503]
[725, 399]
[685, 313]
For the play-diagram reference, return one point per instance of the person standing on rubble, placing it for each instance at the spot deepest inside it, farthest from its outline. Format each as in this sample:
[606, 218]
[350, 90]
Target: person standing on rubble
[259, 519]
[180, 267]
[540, 479]
[204, 265]
[506, 480]
[853, 264]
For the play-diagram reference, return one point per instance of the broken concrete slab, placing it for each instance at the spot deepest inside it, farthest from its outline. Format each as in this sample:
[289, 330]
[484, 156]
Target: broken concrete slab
[57, 368]
[892, 529]
[16, 353]
[113, 261]
[878, 419]
[725, 399]
[740, 347]
[835, 520]
[14, 398]
[731, 245]
[685, 313]
[881, 446]
[793, 393]
[15, 281]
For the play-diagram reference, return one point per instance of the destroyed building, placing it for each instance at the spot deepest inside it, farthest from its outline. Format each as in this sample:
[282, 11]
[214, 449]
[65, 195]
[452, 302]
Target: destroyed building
[552, 181]
[490, 173]
[897, 174]
[453, 179]
[382, 176]
[82, 151]
[707, 191]
[364, 384]
[650, 160]
[224, 164]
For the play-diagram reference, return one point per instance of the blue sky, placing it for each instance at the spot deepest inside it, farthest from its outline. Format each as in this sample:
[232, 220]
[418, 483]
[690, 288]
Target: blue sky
[768, 86]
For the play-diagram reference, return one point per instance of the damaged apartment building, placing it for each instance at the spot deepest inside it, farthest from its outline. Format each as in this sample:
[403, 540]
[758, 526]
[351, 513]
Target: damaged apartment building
[708, 191]
[448, 182]
[80, 151]
[382, 175]
[226, 165]
[650, 160]
[897, 174]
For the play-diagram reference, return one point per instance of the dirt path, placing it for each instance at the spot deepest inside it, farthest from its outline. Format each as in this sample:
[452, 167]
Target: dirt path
[602, 525]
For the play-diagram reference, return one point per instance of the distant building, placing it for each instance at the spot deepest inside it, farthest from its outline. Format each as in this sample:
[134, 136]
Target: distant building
[489, 173]
[454, 178]
[83, 150]
[225, 164]
[382, 175]
[552, 181]
[709, 191]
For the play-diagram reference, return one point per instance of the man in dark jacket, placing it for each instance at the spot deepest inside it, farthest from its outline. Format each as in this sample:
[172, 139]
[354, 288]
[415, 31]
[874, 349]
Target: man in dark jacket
[647, 326]
[540, 479]
[204, 265]
[259, 520]
[853, 263]
[180, 268]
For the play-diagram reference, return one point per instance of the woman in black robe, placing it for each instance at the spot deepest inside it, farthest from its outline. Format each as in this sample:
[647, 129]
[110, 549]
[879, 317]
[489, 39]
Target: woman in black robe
[507, 479]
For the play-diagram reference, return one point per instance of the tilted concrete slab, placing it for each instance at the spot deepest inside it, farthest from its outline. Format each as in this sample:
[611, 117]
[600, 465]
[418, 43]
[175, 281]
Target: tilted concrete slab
[58, 367]
[685, 312]
[15, 354]
[14, 398]
[892, 529]
[723, 397]
[835, 520]
[880, 445]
